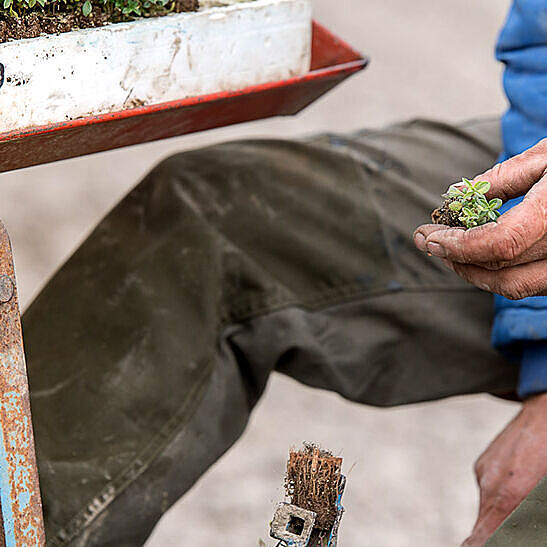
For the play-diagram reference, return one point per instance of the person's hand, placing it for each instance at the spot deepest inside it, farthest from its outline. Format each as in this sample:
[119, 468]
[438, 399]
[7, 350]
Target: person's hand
[510, 468]
[507, 257]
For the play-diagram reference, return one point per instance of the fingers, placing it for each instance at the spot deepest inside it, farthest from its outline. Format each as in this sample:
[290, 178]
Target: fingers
[525, 275]
[536, 252]
[501, 241]
[498, 498]
[516, 176]
[500, 495]
[487, 524]
[515, 282]
[423, 232]
[510, 468]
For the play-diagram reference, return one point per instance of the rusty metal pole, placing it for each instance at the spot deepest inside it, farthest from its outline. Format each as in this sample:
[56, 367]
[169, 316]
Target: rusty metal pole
[21, 505]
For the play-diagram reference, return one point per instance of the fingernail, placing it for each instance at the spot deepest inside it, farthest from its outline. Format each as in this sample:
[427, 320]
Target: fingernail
[419, 241]
[436, 250]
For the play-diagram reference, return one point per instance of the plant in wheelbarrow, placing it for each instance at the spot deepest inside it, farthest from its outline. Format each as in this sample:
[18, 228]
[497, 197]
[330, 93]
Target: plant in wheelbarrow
[31, 18]
[466, 205]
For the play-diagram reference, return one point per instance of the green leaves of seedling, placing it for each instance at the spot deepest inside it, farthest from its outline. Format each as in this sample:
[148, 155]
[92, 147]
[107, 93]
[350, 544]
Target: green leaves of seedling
[469, 199]
[455, 206]
[114, 10]
[495, 203]
[482, 187]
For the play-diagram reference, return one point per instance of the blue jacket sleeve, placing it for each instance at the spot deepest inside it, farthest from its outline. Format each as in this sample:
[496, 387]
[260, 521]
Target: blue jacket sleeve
[520, 328]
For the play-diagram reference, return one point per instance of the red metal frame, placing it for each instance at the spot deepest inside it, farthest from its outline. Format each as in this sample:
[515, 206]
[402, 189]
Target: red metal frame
[332, 62]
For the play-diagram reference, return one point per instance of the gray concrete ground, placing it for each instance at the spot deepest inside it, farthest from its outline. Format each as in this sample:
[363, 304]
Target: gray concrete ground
[409, 469]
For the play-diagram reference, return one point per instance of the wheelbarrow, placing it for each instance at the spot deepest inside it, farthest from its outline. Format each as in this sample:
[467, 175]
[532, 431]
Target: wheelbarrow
[332, 62]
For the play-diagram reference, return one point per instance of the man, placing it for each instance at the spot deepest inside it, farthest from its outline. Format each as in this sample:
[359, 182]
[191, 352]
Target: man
[510, 258]
[149, 348]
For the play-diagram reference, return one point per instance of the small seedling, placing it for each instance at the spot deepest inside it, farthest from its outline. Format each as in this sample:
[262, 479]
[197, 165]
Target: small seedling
[111, 10]
[466, 205]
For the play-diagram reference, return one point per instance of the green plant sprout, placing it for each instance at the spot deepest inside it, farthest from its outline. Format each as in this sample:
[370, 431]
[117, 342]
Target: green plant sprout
[115, 10]
[470, 201]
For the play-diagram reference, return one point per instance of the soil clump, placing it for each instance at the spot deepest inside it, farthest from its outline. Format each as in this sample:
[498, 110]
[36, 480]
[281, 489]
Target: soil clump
[312, 482]
[444, 215]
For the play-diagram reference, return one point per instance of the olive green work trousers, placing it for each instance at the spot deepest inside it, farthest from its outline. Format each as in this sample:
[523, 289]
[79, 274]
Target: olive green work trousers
[149, 348]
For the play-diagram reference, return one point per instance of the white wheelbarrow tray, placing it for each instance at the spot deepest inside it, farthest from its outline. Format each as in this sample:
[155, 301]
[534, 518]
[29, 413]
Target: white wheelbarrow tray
[57, 78]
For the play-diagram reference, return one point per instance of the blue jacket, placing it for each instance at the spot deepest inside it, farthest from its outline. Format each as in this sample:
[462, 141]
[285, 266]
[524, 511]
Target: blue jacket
[520, 327]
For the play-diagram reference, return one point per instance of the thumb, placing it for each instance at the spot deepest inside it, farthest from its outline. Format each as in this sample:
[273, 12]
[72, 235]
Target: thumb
[515, 176]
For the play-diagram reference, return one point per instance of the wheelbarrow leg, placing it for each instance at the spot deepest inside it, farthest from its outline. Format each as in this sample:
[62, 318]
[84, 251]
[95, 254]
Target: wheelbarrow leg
[21, 521]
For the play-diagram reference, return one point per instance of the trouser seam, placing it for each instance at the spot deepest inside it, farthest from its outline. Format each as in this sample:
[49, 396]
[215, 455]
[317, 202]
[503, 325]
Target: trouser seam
[328, 298]
[139, 465]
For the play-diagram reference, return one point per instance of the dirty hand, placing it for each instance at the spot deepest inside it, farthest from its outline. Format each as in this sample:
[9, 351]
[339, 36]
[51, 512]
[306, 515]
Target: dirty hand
[510, 468]
[508, 257]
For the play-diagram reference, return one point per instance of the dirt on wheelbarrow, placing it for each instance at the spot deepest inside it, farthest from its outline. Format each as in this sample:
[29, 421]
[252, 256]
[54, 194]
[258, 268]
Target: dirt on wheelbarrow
[36, 24]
